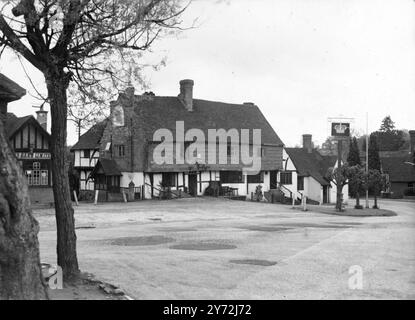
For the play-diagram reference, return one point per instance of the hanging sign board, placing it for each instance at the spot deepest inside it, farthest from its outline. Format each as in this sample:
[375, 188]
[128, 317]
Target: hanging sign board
[339, 129]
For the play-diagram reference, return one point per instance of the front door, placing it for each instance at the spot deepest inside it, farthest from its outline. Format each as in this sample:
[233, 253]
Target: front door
[193, 184]
[273, 179]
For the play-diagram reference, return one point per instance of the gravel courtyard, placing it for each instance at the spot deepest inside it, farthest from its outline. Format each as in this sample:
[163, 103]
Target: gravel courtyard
[221, 249]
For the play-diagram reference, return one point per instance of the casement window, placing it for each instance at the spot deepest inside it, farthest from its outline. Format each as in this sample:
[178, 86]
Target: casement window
[168, 179]
[121, 150]
[231, 177]
[87, 153]
[37, 177]
[300, 183]
[257, 178]
[286, 177]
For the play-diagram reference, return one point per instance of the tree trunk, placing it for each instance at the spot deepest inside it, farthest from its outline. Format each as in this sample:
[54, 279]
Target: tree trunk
[339, 199]
[375, 206]
[20, 269]
[65, 222]
[357, 199]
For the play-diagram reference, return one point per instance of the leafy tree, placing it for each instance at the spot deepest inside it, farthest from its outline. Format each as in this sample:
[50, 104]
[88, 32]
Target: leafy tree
[376, 182]
[339, 176]
[374, 159]
[353, 158]
[356, 175]
[387, 125]
[389, 139]
[86, 44]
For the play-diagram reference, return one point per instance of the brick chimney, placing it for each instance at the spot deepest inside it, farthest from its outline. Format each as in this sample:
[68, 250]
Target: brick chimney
[307, 143]
[412, 140]
[186, 93]
[42, 117]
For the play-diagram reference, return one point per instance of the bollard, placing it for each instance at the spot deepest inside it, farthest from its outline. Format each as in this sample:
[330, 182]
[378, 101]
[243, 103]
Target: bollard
[96, 197]
[75, 197]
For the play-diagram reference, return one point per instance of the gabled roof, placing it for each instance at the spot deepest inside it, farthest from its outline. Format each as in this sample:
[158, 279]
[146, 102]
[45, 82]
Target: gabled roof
[109, 168]
[398, 170]
[311, 163]
[9, 90]
[163, 112]
[13, 124]
[91, 138]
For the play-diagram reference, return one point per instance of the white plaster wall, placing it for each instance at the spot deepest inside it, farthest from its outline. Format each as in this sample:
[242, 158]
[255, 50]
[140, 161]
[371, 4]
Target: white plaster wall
[333, 193]
[313, 189]
[127, 177]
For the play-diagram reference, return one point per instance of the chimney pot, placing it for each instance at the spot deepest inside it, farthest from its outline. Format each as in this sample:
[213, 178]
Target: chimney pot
[307, 142]
[42, 117]
[186, 93]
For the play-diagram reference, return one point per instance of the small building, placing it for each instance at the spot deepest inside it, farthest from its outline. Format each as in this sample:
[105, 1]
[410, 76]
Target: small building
[86, 155]
[400, 170]
[305, 172]
[128, 140]
[30, 141]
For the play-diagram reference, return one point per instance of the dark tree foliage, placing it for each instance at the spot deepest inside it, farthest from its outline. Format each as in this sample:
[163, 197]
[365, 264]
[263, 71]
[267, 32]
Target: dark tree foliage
[353, 158]
[374, 159]
[387, 125]
[389, 139]
[356, 175]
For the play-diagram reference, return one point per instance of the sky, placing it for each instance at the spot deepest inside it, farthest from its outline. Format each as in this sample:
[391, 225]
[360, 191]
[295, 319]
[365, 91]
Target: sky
[300, 61]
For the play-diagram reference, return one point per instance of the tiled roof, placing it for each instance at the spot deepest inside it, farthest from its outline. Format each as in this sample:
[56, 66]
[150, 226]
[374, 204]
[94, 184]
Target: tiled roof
[163, 112]
[109, 167]
[13, 123]
[91, 138]
[398, 170]
[311, 163]
[9, 90]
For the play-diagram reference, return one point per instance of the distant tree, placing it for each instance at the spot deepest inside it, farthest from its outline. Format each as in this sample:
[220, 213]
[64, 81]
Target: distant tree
[329, 147]
[339, 176]
[353, 158]
[356, 175]
[387, 125]
[389, 139]
[374, 159]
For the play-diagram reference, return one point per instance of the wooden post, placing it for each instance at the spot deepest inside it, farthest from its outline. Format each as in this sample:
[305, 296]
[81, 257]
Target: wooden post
[293, 202]
[124, 196]
[75, 197]
[96, 196]
[304, 203]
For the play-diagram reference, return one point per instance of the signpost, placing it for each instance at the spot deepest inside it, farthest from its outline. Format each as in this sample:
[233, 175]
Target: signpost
[340, 130]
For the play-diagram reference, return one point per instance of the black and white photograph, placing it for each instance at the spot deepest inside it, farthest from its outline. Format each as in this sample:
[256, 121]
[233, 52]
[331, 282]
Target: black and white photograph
[207, 155]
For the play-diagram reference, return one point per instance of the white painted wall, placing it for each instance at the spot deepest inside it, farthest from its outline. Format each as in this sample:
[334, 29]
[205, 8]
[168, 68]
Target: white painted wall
[313, 189]
[127, 177]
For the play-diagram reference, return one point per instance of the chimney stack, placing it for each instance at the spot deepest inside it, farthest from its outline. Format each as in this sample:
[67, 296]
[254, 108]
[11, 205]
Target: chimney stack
[412, 140]
[42, 117]
[186, 93]
[307, 143]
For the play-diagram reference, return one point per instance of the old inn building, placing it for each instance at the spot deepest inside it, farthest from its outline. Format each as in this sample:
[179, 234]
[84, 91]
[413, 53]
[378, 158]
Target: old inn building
[117, 154]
